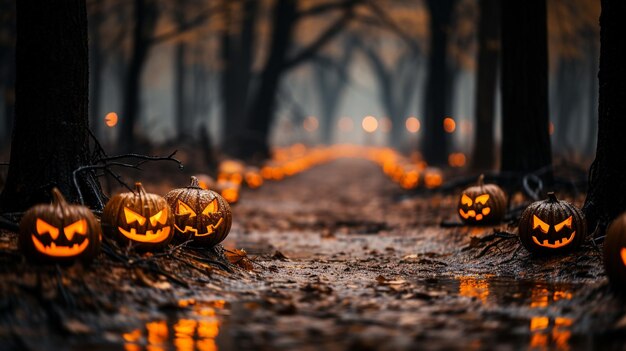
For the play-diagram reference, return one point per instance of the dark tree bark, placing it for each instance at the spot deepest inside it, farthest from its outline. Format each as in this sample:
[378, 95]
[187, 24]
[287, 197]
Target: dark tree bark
[606, 176]
[524, 82]
[180, 91]
[483, 155]
[261, 110]
[592, 74]
[95, 66]
[51, 137]
[145, 16]
[434, 143]
[237, 53]
[7, 69]
[331, 78]
[259, 117]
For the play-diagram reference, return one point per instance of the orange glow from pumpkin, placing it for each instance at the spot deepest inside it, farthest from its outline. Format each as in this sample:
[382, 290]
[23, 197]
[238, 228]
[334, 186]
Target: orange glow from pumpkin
[474, 287]
[111, 119]
[412, 124]
[369, 124]
[457, 159]
[449, 125]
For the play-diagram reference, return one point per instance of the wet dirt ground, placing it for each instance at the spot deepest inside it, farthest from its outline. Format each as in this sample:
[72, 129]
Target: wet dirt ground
[341, 258]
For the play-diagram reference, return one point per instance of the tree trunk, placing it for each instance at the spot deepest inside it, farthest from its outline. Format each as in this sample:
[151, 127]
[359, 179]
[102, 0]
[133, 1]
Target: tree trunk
[237, 51]
[260, 115]
[483, 156]
[434, 143]
[145, 22]
[51, 138]
[180, 86]
[95, 67]
[606, 176]
[525, 136]
[7, 71]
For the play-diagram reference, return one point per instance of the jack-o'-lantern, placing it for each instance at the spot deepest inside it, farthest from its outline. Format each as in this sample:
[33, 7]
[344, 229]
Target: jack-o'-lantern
[253, 177]
[615, 253]
[59, 232]
[230, 170]
[482, 203]
[140, 218]
[552, 226]
[229, 191]
[200, 215]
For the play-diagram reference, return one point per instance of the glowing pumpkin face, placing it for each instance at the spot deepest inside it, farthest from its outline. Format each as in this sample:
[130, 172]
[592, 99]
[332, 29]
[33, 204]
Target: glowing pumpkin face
[200, 215]
[59, 232]
[140, 218]
[551, 226]
[482, 204]
[615, 253]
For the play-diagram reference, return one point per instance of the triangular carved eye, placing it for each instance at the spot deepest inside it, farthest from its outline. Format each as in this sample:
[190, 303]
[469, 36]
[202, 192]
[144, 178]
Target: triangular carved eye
[211, 208]
[43, 227]
[466, 200]
[482, 199]
[184, 209]
[78, 227]
[160, 217]
[565, 223]
[543, 226]
[132, 216]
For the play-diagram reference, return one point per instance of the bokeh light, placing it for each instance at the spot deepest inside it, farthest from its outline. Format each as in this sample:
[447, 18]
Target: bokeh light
[111, 119]
[449, 125]
[370, 124]
[310, 124]
[345, 124]
[412, 124]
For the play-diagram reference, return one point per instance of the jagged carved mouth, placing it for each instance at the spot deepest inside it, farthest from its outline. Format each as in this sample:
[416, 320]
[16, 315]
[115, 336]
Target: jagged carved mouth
[210, 229]
[59, 251]
[472, 214]
[148, 237]
[556, 244]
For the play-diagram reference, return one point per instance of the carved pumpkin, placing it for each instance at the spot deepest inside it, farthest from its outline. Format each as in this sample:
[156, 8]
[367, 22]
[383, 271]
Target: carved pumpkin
[140, 218]
[615, 252]
[552, 226]
[482, 204]
[59, 232]
[200, 215]
[253, 177]
[229, 191]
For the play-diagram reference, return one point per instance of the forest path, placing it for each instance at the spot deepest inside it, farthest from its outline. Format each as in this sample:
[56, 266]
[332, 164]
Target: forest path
[367, 268]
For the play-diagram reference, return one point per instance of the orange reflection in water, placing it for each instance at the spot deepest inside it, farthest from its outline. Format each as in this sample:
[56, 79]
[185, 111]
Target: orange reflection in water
[474, 287]
[185, 334]
[549, 333]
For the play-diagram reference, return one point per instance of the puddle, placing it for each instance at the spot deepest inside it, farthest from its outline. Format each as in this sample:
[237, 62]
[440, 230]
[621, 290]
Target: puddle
[197, 328]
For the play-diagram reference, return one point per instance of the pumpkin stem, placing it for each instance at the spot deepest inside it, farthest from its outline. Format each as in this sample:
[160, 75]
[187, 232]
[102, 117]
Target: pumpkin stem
[57, 197]
[139, 188]
[194, 183]
[552, 197]
[481, 180]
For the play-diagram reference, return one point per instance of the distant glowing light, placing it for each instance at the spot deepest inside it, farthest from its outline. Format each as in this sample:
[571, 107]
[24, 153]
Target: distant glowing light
[449, 125]
[385, 124]
[412, 124]
[111, 119]
[310, 124]
[345, 124]
[370, 124]
[457, 159]
[551, 128]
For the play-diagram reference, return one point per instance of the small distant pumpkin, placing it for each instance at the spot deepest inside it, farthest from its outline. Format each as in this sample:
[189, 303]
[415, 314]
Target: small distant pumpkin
[140, 218]
[552, 226]
[615, 253]
[59, 232]
[482, 204]
[200, 215]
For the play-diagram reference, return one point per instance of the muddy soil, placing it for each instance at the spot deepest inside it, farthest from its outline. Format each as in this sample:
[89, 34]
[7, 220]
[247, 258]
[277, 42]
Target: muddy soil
[336, 258]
